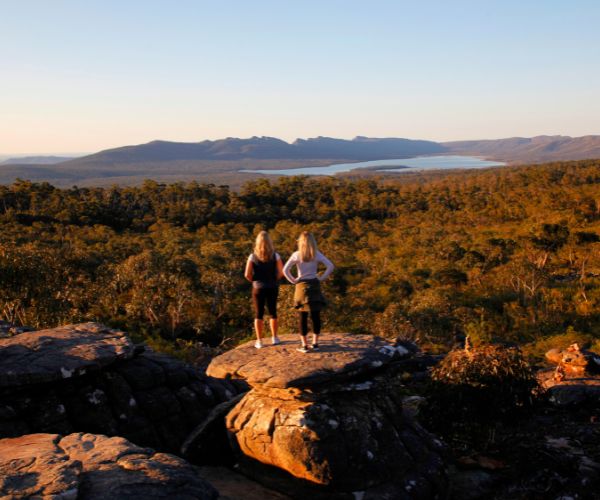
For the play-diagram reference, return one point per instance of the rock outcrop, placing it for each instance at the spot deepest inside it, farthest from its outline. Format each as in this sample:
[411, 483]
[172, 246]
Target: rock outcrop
[94, 467]
[59, 353]
[90, 378]
[330, 423]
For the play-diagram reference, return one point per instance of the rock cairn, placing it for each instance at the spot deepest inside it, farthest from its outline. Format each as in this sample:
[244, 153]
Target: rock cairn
[90, 378]
[330, 423]
[573, 362]
[575, 380]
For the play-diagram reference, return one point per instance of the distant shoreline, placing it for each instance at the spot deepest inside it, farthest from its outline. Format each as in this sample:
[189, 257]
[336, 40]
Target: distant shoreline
[413, 163]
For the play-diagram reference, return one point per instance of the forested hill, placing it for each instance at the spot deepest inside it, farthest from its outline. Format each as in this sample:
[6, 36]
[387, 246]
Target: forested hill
[509, 253]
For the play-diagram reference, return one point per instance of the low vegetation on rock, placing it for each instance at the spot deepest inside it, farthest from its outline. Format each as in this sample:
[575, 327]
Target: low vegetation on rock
[486, 383]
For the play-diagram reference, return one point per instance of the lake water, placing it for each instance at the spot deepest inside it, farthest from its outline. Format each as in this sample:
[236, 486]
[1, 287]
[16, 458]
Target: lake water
[398, 165]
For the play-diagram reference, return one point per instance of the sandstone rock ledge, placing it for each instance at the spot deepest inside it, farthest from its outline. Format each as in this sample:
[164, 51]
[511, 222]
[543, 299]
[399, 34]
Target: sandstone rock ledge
[94, 467]
[330, 424]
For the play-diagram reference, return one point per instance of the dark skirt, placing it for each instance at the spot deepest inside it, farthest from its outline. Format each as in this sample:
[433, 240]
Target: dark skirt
[308, 296]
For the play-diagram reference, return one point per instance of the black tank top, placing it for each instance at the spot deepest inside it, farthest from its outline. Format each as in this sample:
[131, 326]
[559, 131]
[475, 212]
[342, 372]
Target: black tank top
[264, 274]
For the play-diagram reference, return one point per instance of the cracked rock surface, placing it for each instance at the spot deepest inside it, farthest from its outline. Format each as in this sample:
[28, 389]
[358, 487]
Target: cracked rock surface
[94, 467]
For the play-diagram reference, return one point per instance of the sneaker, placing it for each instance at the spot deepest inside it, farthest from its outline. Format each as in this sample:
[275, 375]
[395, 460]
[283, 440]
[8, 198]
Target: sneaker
[276, 340]
[303, 349]
[258, 344]
[315, 347]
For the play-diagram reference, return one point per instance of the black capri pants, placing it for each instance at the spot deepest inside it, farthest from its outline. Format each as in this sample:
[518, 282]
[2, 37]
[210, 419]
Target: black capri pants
[262, 297]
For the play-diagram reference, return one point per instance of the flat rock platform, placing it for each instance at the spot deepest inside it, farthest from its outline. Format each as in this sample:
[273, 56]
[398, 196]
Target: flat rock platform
[341, 356]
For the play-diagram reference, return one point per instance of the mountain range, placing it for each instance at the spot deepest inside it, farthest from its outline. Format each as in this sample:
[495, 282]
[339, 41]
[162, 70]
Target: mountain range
[219, 161]
[265, 148]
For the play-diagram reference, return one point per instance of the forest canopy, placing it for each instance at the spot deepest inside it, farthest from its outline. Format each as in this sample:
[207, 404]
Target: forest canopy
[509, 254]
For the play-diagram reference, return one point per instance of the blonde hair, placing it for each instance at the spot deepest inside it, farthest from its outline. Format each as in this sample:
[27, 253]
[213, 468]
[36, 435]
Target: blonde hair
[263, 247]
[307, 247]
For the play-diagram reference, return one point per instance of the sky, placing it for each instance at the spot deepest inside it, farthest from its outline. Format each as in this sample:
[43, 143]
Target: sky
[81, 76]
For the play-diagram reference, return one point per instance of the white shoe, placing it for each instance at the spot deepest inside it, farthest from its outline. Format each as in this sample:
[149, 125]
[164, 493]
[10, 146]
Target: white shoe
[276, 340]
[258, 344]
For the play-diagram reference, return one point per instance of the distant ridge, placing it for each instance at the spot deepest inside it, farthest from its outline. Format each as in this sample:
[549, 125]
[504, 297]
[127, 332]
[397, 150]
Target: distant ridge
[534, 149]
[365, 148]
[36, 160]
[264, 148]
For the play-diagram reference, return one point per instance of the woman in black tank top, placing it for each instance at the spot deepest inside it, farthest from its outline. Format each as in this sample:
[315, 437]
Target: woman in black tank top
[264, 269]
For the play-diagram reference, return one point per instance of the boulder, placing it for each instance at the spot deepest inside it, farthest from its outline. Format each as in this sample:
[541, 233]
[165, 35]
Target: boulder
[94, 467]
[349, 441]
[574, 392]
[330, 423]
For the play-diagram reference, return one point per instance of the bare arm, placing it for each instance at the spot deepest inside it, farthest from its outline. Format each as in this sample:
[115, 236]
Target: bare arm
[249, 270]
[279, 269]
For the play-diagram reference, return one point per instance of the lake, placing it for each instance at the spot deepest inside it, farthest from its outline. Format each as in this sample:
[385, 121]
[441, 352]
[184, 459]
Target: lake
[397, 165]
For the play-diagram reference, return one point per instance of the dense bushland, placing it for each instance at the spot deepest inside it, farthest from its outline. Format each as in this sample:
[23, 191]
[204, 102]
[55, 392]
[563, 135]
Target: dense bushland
[508, 253]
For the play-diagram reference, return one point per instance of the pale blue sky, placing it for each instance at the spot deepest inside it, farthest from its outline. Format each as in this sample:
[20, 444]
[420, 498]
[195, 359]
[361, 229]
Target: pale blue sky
[84, 75]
